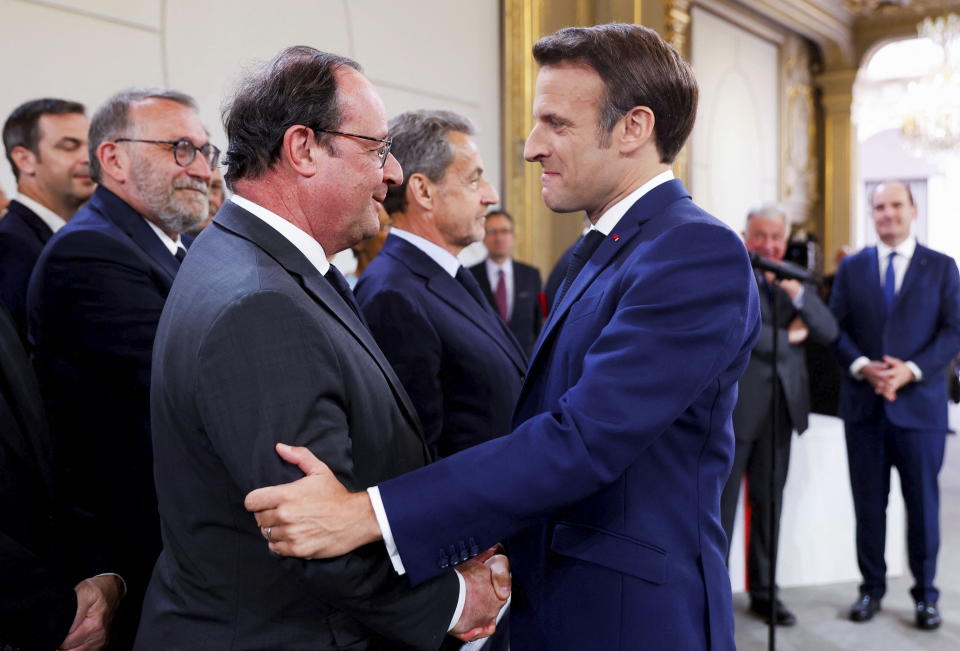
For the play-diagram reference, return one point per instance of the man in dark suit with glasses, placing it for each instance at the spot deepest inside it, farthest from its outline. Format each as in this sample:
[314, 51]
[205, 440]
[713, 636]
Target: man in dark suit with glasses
[93, 305]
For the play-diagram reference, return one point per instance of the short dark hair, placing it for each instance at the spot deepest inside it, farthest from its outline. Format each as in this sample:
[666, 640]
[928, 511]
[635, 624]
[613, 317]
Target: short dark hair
[638, 68]
[421, 146]
[22, 128]
[112, 119]
[298, 86]
[501, 213]
[905, 184]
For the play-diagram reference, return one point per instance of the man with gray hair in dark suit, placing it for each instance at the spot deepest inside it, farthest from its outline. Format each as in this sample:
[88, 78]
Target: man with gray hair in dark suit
[800, 314]
[260, 344]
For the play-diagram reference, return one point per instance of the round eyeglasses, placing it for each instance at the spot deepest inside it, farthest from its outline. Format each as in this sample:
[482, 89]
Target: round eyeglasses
[382, 151]
[184, 151]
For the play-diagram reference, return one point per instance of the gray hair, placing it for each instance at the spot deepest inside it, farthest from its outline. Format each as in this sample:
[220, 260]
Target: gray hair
[768, 211]
[112, 119]
[421, 146]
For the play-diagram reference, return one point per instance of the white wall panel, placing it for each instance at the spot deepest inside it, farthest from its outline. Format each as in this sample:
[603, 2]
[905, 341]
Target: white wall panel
[735, 145]
[423, 54]
[49, 52]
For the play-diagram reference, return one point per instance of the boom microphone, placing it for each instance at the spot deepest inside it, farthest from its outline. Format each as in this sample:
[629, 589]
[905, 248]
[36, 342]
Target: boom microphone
[781, 270]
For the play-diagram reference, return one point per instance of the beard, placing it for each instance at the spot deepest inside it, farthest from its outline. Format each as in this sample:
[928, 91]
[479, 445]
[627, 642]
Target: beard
[175, 210]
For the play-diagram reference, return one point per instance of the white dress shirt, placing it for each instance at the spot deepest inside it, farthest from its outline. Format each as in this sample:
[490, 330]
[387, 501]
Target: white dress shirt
[493, 276]
[308, 246]
[901, 262]
[171, 244]
[447, 261]
[50, 218]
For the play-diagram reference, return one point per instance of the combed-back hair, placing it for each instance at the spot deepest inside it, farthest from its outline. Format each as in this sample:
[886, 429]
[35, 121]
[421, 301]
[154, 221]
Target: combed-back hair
[112, 119]
[638, 68]
[420, 145]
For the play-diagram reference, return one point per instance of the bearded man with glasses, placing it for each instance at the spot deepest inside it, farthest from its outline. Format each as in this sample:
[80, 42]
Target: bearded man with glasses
[93, 305]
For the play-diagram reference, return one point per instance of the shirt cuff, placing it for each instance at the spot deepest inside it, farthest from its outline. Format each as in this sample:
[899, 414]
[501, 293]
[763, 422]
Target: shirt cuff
[858, 365]
[798, 299]
[123, 584]
[917, 373]
[384, 524]
[461, 601]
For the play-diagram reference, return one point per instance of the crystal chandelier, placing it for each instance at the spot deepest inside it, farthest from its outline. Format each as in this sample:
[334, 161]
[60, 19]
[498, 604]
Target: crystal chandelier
[933, 121]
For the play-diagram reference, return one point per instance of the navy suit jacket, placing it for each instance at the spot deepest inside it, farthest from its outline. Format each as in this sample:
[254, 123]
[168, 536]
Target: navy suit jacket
[456, 358]
[94, 301]
[609, 485]
[527, 317]
[924, 327]
[22, 236]
[256, 347]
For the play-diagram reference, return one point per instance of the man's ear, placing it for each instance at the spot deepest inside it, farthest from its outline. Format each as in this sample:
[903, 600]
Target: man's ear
[300, 150]
[421, 190]
[25, 160]
[638, 129]
[114, 161]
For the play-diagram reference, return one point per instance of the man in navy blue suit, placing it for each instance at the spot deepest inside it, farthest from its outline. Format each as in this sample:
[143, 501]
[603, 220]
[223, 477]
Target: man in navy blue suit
[93, 305]
[608, 487]
[46, 144]
[512, 287]
[456, 359]
[898, 308]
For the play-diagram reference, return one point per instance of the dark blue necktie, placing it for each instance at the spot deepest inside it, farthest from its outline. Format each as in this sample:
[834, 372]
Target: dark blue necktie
[335, 278]
[890, 283]
[588, 244]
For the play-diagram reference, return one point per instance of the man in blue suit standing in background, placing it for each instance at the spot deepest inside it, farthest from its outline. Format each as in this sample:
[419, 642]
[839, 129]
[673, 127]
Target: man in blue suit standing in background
[898, 308]
[460, 364]
[608, 487]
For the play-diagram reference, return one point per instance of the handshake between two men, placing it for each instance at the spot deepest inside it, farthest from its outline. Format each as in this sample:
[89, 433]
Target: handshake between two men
[317, 517]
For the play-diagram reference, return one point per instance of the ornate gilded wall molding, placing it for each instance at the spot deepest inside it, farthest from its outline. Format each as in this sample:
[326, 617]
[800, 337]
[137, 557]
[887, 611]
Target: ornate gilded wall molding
[677, 24]
[799, 173]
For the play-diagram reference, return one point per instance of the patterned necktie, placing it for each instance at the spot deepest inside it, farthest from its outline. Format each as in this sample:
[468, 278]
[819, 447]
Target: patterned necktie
[890, 283]
[339, 283]
[579, 258]
[500, 294]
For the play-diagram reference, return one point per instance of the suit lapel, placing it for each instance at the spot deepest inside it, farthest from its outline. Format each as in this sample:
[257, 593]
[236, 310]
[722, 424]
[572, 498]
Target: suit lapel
[915, 272]
[634, 227]
[450, 291]
[116, 210]
[32, 221]
[252, 228]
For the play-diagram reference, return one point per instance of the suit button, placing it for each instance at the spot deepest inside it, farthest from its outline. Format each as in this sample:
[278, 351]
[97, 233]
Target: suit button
[523, 378]
[474, 549]
[463, 552]
[444, 562]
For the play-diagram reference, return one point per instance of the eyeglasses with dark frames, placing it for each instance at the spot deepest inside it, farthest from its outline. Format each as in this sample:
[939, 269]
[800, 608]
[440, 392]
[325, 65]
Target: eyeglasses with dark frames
[382, 152]
[184, 151]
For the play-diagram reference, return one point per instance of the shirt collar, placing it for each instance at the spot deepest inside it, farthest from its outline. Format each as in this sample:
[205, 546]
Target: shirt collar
[506, 267]
[304, 243]
[50, 218]
[447, 261]
[905, 249]
[171, 244]
[613, 215]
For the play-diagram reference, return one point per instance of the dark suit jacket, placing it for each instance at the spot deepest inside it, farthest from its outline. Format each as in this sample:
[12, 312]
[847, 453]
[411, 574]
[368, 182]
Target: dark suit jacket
[457, 360]
[22, 236]
[557, 274]
[37, 602]
[751, 417]
[924, 328]
[527, 317]
[256, 347]
[94, 302]
[609, 485]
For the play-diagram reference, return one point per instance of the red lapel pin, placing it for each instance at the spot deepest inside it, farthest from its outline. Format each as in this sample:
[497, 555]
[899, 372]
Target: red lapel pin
[615, 237]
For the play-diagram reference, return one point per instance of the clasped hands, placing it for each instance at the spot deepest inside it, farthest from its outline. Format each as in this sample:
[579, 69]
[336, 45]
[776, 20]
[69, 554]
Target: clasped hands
[887, 376]
[317, 517]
